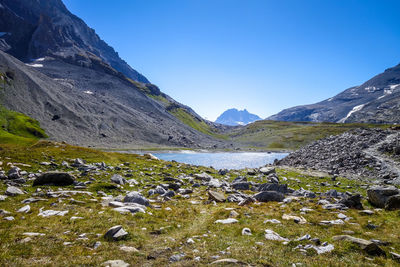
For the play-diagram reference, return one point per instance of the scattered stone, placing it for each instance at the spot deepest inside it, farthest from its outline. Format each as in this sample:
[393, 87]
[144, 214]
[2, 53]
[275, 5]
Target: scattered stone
[274, 221]
[216, 196]
[13, 191]
[393, 203]
[54, 178]
[296, 219]
[24, 209]
[9, 218]
[267, 196]
[271, 235]
[136, 197]
[233, 214]
[395, 256]
[227, 221]
[333, 222]
[115, 263]
[246, 231]
[150, 156]
[73, 218]
[267, 170]
[241, 186]
[352, 202]
[128, 249]
[14, 173]
[31, 234]
[48, 213]
[366, 212]
[177, 257]
[96, 245]
[116, 233]
[118, 179]
[3, 197]
[203, 176]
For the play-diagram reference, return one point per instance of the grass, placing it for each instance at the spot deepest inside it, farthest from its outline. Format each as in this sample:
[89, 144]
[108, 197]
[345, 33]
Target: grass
[289, 135]
[165, 228]
[18, 128]
[195, 123]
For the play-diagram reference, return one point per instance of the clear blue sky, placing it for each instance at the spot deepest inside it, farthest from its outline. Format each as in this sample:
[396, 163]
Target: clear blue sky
[257, 54]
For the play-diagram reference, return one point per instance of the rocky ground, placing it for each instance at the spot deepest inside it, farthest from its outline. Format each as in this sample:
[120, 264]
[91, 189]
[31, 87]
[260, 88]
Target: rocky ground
[118, 210]
[360, 153]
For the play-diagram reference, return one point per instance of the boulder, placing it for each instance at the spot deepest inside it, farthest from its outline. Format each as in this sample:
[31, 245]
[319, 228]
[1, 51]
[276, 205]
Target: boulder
[136, 197]
[241, 186]
[118, 179]
[378, 195]
[281, 188]
[54, 178]
[267, 170]
[203, 176]
[14, 173]
[352, 202]
[369, 247]
[115, 233]
[115, 263]
[393, 203]
[266, 196]
[150, 156]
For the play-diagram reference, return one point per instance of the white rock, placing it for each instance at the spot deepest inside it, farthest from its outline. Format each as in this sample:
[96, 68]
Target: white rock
[31, 234]
[271, 235]
[25, 209]
[115, 263]
[246, 231]
[128, 249]
[274, 221]
[47, 213]
[227, 221]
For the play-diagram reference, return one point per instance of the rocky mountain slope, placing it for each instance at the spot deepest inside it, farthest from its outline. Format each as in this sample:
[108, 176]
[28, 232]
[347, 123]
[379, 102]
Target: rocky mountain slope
[234, 117]
[367, 153]
[375, 101]
[79, 89]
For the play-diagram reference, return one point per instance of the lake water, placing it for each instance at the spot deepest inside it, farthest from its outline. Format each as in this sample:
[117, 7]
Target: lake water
[222, 160]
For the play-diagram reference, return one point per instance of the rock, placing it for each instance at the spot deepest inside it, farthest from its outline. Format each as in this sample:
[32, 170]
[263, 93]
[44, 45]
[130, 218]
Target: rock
[136, 197]
[128, 249]
[352, 202]
[267, 170]
[13, 191]
[393, 203]
[214, 183]
[9, 218]
[267, 196]
[271, 235]
[333, 222]
[118, 179]
[227, 221]
[241, 186]
[395, 256]
[116, 233]
[24, 209]
[78, 162]
[378, 195]
[3, 197]
[216, 196]
[304, 193]
[223, 262]
[233, 214]
[150, 156]
[96, 245]
[223, 171]
[31, 234]
[203, 176]
[48, 213]
[296, 219]
[274, 221]
[337, 206]
[366, 212]
[281, 188]
[54, 178]
[177, 257]
[367, 246]
[246, 231]
[14, 173]
[115, 263]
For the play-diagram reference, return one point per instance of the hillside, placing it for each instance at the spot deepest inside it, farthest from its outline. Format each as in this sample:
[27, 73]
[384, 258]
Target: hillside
[79, 89]
[375, 101]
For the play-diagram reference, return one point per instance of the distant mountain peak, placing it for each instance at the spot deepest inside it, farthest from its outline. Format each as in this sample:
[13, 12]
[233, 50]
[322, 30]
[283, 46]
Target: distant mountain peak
[234, 117]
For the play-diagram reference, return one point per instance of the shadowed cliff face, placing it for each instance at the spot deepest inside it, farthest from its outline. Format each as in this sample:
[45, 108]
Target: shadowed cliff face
[38, 28]
[375, 101]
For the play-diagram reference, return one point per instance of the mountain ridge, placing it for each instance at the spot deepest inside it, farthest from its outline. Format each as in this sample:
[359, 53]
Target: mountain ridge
[234, 117]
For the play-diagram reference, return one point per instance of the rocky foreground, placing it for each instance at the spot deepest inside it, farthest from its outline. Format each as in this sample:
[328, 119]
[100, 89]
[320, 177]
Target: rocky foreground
[57, 210]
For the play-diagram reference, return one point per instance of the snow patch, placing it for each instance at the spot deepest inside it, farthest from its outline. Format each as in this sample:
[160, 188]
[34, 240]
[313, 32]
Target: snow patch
[355, 109]
[371, 89]
[35, 65]
[314, 116]
[4, 33]
[40, 59]
[330, 99]
[88, 92]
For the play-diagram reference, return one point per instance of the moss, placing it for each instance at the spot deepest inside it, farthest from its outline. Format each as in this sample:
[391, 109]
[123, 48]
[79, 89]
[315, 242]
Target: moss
[18, 128]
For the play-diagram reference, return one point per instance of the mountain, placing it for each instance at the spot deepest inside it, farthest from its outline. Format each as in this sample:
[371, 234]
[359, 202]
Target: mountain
[236, 117]
[375, 101]
[58, 71]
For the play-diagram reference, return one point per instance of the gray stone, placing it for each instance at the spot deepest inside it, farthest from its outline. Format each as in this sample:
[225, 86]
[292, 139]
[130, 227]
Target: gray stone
[267, 170]
[393, 203]
[227, 221]
[267, 196]
[54, 178]
[177, 257]
[118, 179]
[216, 196]
[13, 191]
[116, 233]
[203, 176]
[241, 186]
[25, 209]
[378, 195]
[14, 173]
[369, 247]
[282, 188]
[136, 197]
[115, 263]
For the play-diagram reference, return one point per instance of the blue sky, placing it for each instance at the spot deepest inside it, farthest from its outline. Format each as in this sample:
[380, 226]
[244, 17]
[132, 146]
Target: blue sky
[262, 55]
